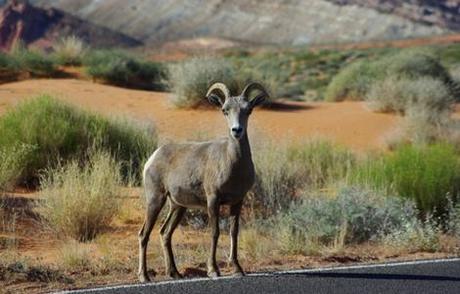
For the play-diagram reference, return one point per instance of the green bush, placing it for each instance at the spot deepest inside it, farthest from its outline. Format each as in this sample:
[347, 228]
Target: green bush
[427, 174]
[34, 62]
[353, 82]
[80, 202]
[59, 131]
[69, 51]
[119, 68]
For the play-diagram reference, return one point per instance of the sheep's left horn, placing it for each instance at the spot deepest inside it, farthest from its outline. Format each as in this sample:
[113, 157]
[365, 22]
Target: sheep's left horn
[253, 86]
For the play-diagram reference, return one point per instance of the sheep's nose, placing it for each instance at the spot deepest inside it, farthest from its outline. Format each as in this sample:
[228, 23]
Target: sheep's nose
[237, 130]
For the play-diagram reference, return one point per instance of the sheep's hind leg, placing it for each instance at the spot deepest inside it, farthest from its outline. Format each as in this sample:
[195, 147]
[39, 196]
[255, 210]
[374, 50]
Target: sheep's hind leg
[155, 202]
[234, 227]
[172, 221]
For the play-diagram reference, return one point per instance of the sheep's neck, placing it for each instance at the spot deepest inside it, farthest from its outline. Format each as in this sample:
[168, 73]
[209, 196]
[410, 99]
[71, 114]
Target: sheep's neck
[239, 150]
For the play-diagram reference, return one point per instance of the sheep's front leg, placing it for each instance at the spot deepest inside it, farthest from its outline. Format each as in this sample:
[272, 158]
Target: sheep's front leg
[234, 227]
[213, 213]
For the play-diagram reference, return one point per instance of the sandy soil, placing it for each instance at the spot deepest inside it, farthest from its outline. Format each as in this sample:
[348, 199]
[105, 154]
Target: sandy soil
[349, 123]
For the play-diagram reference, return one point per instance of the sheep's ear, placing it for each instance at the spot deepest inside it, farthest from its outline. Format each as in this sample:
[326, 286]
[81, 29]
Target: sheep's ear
[214, 99]
[259, 99]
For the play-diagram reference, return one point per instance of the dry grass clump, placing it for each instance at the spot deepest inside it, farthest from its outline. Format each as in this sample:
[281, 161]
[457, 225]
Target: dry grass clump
[74, 257]
[81, 201]
[255, 245]
[399, 95]
[189, 80]
[69, 51]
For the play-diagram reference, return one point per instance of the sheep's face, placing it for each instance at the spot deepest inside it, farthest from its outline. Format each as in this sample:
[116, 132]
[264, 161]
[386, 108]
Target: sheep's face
[236, 111]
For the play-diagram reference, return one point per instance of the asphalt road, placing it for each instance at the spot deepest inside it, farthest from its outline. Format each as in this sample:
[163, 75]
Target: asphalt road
[436, 276]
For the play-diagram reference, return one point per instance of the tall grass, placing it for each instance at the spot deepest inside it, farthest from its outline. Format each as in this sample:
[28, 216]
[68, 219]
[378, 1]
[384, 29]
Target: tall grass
[426, 174]
[80, 201]
[121, 69]
[283, 172]
[12, 161]
[59, 131]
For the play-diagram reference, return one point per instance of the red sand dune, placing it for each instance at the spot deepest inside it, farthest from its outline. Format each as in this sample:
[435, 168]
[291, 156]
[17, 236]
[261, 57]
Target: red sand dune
[349, 123]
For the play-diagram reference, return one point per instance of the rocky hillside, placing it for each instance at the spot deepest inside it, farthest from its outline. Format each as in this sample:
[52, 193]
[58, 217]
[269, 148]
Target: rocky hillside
[268, 21]
[443, 13]
[41, 27]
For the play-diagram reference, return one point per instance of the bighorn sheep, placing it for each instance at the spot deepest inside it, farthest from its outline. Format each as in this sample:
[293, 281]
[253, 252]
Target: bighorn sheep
[202, 175]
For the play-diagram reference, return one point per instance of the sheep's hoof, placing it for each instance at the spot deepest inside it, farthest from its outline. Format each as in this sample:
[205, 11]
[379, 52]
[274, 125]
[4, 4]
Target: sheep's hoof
[175, 275]
[144, 278]
[213, 274]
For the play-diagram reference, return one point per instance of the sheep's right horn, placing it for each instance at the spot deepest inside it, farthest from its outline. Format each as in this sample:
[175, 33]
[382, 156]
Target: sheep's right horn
[221, 87]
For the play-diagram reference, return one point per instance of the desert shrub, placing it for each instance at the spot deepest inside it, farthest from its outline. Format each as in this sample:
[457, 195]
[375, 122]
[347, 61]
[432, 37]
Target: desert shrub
[59, 131]
[426, 174]
[19, 269]
[394, 94]
[35, 62]
[69, 51]
[81, 201]
[352, 216]
[414, 64]
[357, 79]
[12, 161]
[119, 68]
[352, 82]
[415, 236]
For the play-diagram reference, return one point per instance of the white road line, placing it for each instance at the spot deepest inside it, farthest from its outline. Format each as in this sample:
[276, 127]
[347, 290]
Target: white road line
[310, 270]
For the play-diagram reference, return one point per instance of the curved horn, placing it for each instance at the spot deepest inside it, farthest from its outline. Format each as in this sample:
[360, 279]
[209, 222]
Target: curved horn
[253, 86]
[219, 86]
